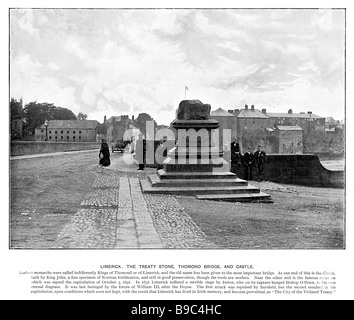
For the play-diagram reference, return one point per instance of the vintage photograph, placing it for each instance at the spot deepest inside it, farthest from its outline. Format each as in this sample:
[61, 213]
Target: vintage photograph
[190, 129]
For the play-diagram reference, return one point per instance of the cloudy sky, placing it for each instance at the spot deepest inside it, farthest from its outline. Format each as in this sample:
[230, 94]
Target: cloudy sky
[113, 62]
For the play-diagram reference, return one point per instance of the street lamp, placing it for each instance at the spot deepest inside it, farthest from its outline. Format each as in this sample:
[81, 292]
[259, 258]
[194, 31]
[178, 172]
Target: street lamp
[46, 130]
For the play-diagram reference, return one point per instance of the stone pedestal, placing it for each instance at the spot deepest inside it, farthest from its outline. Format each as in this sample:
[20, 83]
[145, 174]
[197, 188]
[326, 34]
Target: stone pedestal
[195, 166]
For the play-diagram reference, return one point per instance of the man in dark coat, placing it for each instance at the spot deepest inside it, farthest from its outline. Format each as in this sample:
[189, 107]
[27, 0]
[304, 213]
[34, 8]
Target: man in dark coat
[104, 154]
[247, 161]
[259, 162]
[235, 157]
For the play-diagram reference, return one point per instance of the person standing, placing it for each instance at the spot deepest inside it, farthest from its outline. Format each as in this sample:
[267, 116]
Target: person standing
[235, 157]
[235, 146]
[247, 161]
[259, 162]
[104, 154]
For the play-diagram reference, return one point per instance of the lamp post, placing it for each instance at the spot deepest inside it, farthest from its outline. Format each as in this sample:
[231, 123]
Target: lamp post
[46, 130]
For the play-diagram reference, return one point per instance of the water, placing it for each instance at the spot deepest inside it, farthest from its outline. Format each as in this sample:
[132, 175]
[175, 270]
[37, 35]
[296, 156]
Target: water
[335, 165]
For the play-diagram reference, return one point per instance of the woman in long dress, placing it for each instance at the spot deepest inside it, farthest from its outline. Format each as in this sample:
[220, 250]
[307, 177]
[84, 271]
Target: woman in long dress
[104, 154]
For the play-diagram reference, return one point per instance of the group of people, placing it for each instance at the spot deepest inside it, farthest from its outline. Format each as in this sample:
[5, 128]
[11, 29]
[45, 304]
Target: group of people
[243, 164]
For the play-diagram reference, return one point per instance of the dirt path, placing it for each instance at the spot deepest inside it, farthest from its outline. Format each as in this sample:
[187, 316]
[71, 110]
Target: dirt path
[299, 218]
[47, 192]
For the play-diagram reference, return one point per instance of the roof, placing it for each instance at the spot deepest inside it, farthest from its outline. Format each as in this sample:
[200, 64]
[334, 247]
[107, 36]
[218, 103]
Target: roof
[293, 115]
[221, 113]
[132, 126]
[289, 128]
[249, 113]
[331, 120]
[72, 124]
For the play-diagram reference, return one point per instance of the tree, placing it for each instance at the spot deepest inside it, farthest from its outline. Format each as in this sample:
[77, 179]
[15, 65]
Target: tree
[141, 122]
[16, 115]
[36, 113]
[81, 116]
[16, 111]
[317, 142]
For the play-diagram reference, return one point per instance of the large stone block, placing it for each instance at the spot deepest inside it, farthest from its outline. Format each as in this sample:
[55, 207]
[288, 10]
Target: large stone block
[193, 110]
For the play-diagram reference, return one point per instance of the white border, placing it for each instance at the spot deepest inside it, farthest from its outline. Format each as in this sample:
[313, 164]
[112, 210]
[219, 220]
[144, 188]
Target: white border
[13, 261]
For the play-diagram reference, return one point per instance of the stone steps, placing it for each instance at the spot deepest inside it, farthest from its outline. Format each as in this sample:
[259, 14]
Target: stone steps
[156, 181]
[163, 175]
[246, 197]
[196, 190]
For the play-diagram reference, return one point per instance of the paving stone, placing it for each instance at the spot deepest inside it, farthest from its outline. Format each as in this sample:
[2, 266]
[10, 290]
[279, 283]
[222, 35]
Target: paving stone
[121, 216]
[89, 228]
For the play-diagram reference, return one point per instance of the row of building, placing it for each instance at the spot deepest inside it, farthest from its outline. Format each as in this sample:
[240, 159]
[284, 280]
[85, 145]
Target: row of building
[112, 129]
[241, 121]
[288, 128]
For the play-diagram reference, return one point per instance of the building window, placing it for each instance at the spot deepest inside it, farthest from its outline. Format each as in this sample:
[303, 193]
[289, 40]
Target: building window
[61, 138]
[50, 137]
[56, 131]
[79, 131]
[67, 138]
[42, 130]
[74, 131]
[50, 131]
[80, 138]
[74, 138]
[56, 138]
[61, 132]
[67, 131]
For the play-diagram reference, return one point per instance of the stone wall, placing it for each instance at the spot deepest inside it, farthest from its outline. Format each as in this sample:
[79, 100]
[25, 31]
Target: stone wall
[18, 148]
[303, 169]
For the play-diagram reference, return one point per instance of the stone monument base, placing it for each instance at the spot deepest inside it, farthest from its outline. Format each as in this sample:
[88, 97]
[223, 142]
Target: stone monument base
[195, 166]
[218, 186]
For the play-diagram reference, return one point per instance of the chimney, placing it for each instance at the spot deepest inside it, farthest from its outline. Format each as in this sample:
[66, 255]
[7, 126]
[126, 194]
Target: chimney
[246, 106]
[264, 111]
[309, 112]
[104, 119]
[133, 117]
[252, 107]
[236, 111]
[290, 111]
[230, 111]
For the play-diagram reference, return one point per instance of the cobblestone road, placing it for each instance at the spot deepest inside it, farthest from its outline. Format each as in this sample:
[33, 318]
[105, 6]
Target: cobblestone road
[115, 214]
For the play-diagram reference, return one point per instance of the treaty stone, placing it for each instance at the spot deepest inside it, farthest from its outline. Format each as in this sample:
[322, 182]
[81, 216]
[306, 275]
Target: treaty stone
[193, 110]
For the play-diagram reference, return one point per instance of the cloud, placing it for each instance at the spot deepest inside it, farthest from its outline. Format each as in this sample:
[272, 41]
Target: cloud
[108, 62]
